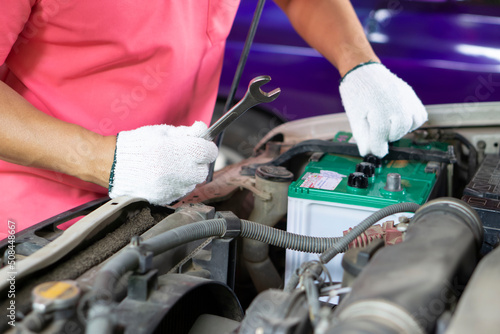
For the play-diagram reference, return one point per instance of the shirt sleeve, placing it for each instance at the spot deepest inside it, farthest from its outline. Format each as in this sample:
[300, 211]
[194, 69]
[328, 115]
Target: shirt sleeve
[13, 16]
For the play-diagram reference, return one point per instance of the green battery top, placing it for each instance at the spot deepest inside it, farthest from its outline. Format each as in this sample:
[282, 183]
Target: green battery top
[327, 179]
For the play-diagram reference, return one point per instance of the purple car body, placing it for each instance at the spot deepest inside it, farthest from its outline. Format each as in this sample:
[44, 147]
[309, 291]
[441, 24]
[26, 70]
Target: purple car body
[448, 51]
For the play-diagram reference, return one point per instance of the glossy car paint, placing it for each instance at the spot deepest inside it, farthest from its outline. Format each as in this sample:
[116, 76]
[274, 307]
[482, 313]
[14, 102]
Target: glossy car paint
[448, 51]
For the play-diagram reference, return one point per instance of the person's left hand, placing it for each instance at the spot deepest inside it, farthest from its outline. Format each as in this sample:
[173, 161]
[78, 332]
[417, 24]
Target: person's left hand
[160, 163]
[381, 107]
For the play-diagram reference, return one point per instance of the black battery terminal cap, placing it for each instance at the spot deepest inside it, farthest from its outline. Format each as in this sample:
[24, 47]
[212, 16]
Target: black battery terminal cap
[366, 168]
[376, 161]
[357, 180]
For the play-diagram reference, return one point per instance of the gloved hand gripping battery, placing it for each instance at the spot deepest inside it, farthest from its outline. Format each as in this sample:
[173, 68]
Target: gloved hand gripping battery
[160, 163]
[381, 107]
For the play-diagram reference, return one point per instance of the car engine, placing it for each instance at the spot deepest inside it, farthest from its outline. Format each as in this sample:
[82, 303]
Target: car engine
[305, 236]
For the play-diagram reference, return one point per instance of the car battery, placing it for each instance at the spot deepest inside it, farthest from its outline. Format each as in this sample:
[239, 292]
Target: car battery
[337, 192]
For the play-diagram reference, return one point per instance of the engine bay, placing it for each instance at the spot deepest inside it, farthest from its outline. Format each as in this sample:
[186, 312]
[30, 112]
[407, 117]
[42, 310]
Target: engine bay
[305, 236]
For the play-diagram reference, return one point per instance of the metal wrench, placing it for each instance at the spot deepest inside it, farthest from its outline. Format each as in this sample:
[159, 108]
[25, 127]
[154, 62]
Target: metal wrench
[253, 96]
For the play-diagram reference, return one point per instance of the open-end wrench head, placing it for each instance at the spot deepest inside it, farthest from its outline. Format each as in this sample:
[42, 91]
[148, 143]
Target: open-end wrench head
[258, 94]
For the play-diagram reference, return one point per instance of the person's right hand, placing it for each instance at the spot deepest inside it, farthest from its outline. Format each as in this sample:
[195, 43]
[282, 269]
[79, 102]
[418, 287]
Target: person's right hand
[381, 107]
[160, 163]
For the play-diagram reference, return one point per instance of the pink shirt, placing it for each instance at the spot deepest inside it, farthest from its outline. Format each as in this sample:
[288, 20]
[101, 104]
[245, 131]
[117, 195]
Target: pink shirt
[107, 66]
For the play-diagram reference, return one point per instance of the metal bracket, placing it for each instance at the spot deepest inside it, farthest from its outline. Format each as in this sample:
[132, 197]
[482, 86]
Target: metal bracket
[233, 224]
[140, 285]
[145, 256]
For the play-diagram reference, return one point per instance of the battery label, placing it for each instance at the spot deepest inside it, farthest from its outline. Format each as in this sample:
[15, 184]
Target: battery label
[327, 180]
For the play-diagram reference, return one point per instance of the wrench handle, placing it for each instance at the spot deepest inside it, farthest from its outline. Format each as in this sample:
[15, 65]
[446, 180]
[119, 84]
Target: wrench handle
[229, 117]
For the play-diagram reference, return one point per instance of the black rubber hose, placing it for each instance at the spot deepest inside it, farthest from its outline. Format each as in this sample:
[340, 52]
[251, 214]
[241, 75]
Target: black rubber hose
[472, 163]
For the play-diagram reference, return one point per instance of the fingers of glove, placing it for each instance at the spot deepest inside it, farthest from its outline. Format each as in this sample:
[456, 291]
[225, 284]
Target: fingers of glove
[379, 147]
[195, 130]
[200, 173]
[357, 116]
[200, 150]
[148, 131]
[178, 185]
[157, 143]
[419, 117]
[399, 125]
[159, 184]
[412, 107]
[167, 197]
[378, 133]
[360, 131]
[188, 174]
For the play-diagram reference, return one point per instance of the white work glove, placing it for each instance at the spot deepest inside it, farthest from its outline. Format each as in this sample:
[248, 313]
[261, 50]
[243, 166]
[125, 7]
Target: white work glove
[160, 163]
[380, 107]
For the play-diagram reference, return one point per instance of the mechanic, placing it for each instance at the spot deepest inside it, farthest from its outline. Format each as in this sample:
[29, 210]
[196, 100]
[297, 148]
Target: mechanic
[76, 73]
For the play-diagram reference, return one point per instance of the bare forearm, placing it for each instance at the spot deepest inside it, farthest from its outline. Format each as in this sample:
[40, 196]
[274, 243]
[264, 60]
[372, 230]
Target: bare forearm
[332, 28]
[29, 137]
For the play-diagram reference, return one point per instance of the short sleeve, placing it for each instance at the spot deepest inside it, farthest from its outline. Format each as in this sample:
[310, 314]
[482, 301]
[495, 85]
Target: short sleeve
[13, 16]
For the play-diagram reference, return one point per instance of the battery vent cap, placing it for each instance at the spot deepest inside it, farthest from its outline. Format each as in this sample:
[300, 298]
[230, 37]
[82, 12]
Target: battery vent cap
[357, 180]
[366, 168]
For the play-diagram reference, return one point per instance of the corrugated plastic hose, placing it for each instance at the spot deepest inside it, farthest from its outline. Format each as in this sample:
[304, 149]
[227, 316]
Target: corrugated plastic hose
[283, 239]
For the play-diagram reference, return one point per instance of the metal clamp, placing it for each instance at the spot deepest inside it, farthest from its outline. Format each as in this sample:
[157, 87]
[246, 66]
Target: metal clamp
[145, 256]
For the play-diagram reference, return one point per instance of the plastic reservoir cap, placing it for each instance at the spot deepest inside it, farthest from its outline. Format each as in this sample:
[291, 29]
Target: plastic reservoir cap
[357, 180]
[57, 295]
[366, 168]
[274, 173]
